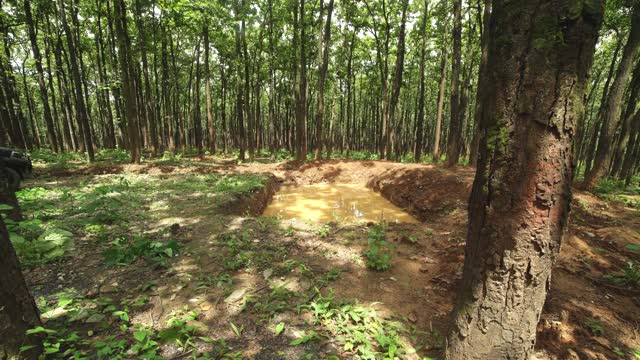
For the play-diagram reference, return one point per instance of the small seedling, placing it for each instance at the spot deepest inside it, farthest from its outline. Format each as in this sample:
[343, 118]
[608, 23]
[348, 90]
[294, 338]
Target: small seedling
[279, 328]
[304, 338]
[378, 251]
[630, 275]
[595, 326]
[237, 330]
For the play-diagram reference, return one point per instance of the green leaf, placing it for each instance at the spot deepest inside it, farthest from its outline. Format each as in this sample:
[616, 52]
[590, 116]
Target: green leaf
[94, 318]
[5, 207]
[633, 247]
[16, 239]
[206, 339]
[279, 328]
[56, 236]
[40, 329]
[140, 335]
[122, 315]
[237, 331]
[303, 340]
[52, 348]
[27, 347]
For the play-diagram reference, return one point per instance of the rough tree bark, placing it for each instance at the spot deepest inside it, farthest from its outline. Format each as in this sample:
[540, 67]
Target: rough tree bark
[18, 311]
[614, 104]
[540, 53]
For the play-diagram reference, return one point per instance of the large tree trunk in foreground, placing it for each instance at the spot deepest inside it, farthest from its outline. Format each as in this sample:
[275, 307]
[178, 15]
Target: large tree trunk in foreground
[18, 311]
[614, 104]
[520, 199]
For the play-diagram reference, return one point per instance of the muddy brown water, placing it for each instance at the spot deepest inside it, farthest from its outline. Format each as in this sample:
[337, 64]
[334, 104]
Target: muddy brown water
[345, 203]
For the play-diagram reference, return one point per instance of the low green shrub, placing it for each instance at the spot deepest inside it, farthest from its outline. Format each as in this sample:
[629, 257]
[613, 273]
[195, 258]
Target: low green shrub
[125, 251]
[378, 252]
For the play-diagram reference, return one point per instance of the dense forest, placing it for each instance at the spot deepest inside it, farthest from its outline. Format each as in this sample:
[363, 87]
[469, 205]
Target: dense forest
[190, 161]
[399, 80]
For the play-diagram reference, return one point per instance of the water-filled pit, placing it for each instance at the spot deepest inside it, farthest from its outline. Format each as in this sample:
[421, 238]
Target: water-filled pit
[345, 203]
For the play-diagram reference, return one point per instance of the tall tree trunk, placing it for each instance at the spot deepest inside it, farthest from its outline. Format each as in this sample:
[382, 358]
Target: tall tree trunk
[44, 98]
[417, 150]
[455, 124]
[81, 112]
[323, 58]
[520, 198]
[630, 158]
[19, 312]
[484, 43]
[63, 92]
[613, 105]
[110, 135]
[627, 118]
[272, 85]
[126, 76]
[14, 125]
[441, 94]
[153, 136]
[250, 134]
[397, 83]
[301, 95]
[239, 61]
[197, 124]
[207, 84]
[350, 128]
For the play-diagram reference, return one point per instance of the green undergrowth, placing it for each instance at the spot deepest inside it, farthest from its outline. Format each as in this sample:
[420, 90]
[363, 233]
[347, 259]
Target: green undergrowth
[187, 157]
[81, 328]
[116, 212]
[109, 209]
[124, 251]
[627, 276]
[616, 190]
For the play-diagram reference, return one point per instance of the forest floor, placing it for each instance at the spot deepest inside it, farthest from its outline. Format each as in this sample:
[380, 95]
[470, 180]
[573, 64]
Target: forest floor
[171, 259]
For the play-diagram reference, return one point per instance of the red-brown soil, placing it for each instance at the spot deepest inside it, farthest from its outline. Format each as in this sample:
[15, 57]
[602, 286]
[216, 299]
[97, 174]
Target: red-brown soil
[428, 257]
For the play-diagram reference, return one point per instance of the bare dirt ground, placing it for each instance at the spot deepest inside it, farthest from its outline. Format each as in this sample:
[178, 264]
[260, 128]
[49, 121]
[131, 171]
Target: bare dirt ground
[585, 317]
